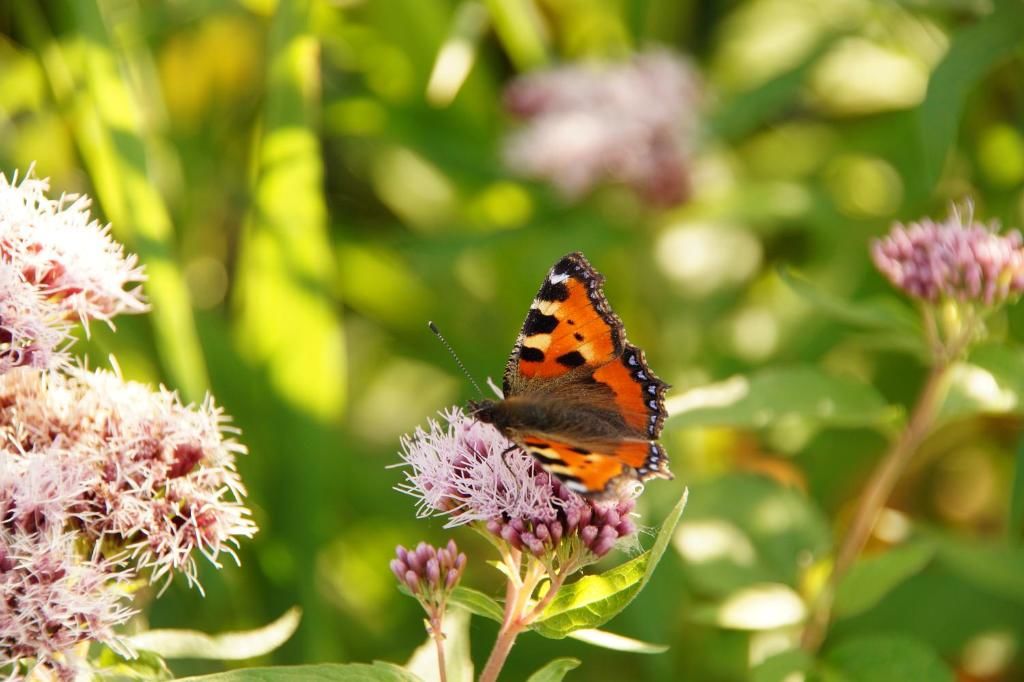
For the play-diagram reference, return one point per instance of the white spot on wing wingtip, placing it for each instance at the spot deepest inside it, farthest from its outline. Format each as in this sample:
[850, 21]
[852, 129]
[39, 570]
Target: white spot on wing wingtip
[558, 277]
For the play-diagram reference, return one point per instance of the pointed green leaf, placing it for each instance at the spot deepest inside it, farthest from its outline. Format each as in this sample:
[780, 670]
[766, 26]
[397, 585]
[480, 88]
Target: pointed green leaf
[377, 671]
[972, 54]
[555, 670]
[610, 640]
[881, 314]
[229, 646]
[477, 602]
[593, 600]
[871, 579]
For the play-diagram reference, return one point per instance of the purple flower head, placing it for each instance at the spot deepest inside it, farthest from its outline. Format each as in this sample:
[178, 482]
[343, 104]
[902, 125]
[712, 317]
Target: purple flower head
[469, 471]
[631, 123]
[959, 259]
[68, 257]
[598, 525]
[430, 573]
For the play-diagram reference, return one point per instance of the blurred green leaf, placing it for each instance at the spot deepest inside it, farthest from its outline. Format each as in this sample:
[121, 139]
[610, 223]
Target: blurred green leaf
[886, 658]
[1015, 519]
[610, 640]
[456, 650]
[229, 646]
[378, 671]
[119, 150]
[743, 530]
[593, 600]
[996, 568]
[882, 314]
[288, 321]
[971, 55]
[477, 602]
[555, 670]
[991, 381]
[518, 25]
[773, 394]
[758, 607]
[782, 666]
[872, 578]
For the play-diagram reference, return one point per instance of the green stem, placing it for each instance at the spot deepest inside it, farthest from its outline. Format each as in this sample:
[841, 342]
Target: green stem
[879, 488]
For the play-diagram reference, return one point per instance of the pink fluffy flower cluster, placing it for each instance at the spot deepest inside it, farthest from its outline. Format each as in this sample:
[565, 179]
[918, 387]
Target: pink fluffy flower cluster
[104, 483]
[469, 471]
[57, 264]
[632, 123]
[958, 259]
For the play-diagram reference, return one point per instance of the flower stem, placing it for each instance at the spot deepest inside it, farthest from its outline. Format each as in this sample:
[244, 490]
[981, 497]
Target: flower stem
[438, 635]
[879, 487]
[518, 612]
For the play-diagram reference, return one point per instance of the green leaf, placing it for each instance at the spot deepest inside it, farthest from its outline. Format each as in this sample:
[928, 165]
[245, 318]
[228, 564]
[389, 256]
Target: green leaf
[742, 530]
[1015, 520]
[230, 646]
[882, 314]
[378, 671]
[995, 568]
[555, 670]
[991, 382]
[146, 665]
[971, 54]
[771, 395]
[764, 606]
[610, 640]
[781, 666]
[871, 579]
[882, 658]
[593, 600]
[456, 650]
[477, 602]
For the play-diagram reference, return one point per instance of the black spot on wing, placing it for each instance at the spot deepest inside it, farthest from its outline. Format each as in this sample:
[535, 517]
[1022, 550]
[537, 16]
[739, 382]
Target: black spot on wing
[530, 354]
[571, 359]
[553, 292]
[539, 323]
[578, 336]
[582, 451]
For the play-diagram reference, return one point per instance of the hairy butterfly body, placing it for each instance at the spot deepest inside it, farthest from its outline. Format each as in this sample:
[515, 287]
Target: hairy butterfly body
[578, 396]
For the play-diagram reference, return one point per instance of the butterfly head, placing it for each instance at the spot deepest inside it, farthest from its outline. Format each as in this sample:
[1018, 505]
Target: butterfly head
[485, 411]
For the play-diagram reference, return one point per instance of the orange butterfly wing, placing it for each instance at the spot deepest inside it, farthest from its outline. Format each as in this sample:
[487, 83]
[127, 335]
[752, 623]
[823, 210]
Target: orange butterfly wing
[591, 469]
[571, 329]
[573, 347]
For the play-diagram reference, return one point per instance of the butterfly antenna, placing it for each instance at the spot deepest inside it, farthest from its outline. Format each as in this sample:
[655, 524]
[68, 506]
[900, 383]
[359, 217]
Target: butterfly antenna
[437, 333]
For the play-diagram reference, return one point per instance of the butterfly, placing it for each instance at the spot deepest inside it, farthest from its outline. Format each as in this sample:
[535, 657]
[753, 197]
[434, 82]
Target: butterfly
[578, 396]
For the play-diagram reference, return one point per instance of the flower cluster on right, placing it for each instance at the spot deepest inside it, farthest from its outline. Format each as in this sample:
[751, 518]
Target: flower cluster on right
[959, 259]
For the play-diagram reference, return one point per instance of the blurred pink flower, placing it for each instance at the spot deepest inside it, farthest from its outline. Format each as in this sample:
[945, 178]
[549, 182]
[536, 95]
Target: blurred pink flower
[164, 482]
[631, 123]
[960, 259]
[70, 258]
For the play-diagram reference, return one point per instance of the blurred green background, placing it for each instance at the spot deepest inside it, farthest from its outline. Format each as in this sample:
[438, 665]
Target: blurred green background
[304, 203]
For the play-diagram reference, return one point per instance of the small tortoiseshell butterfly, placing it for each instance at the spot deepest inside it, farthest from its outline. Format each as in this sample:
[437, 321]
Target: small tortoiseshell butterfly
[578, 396]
